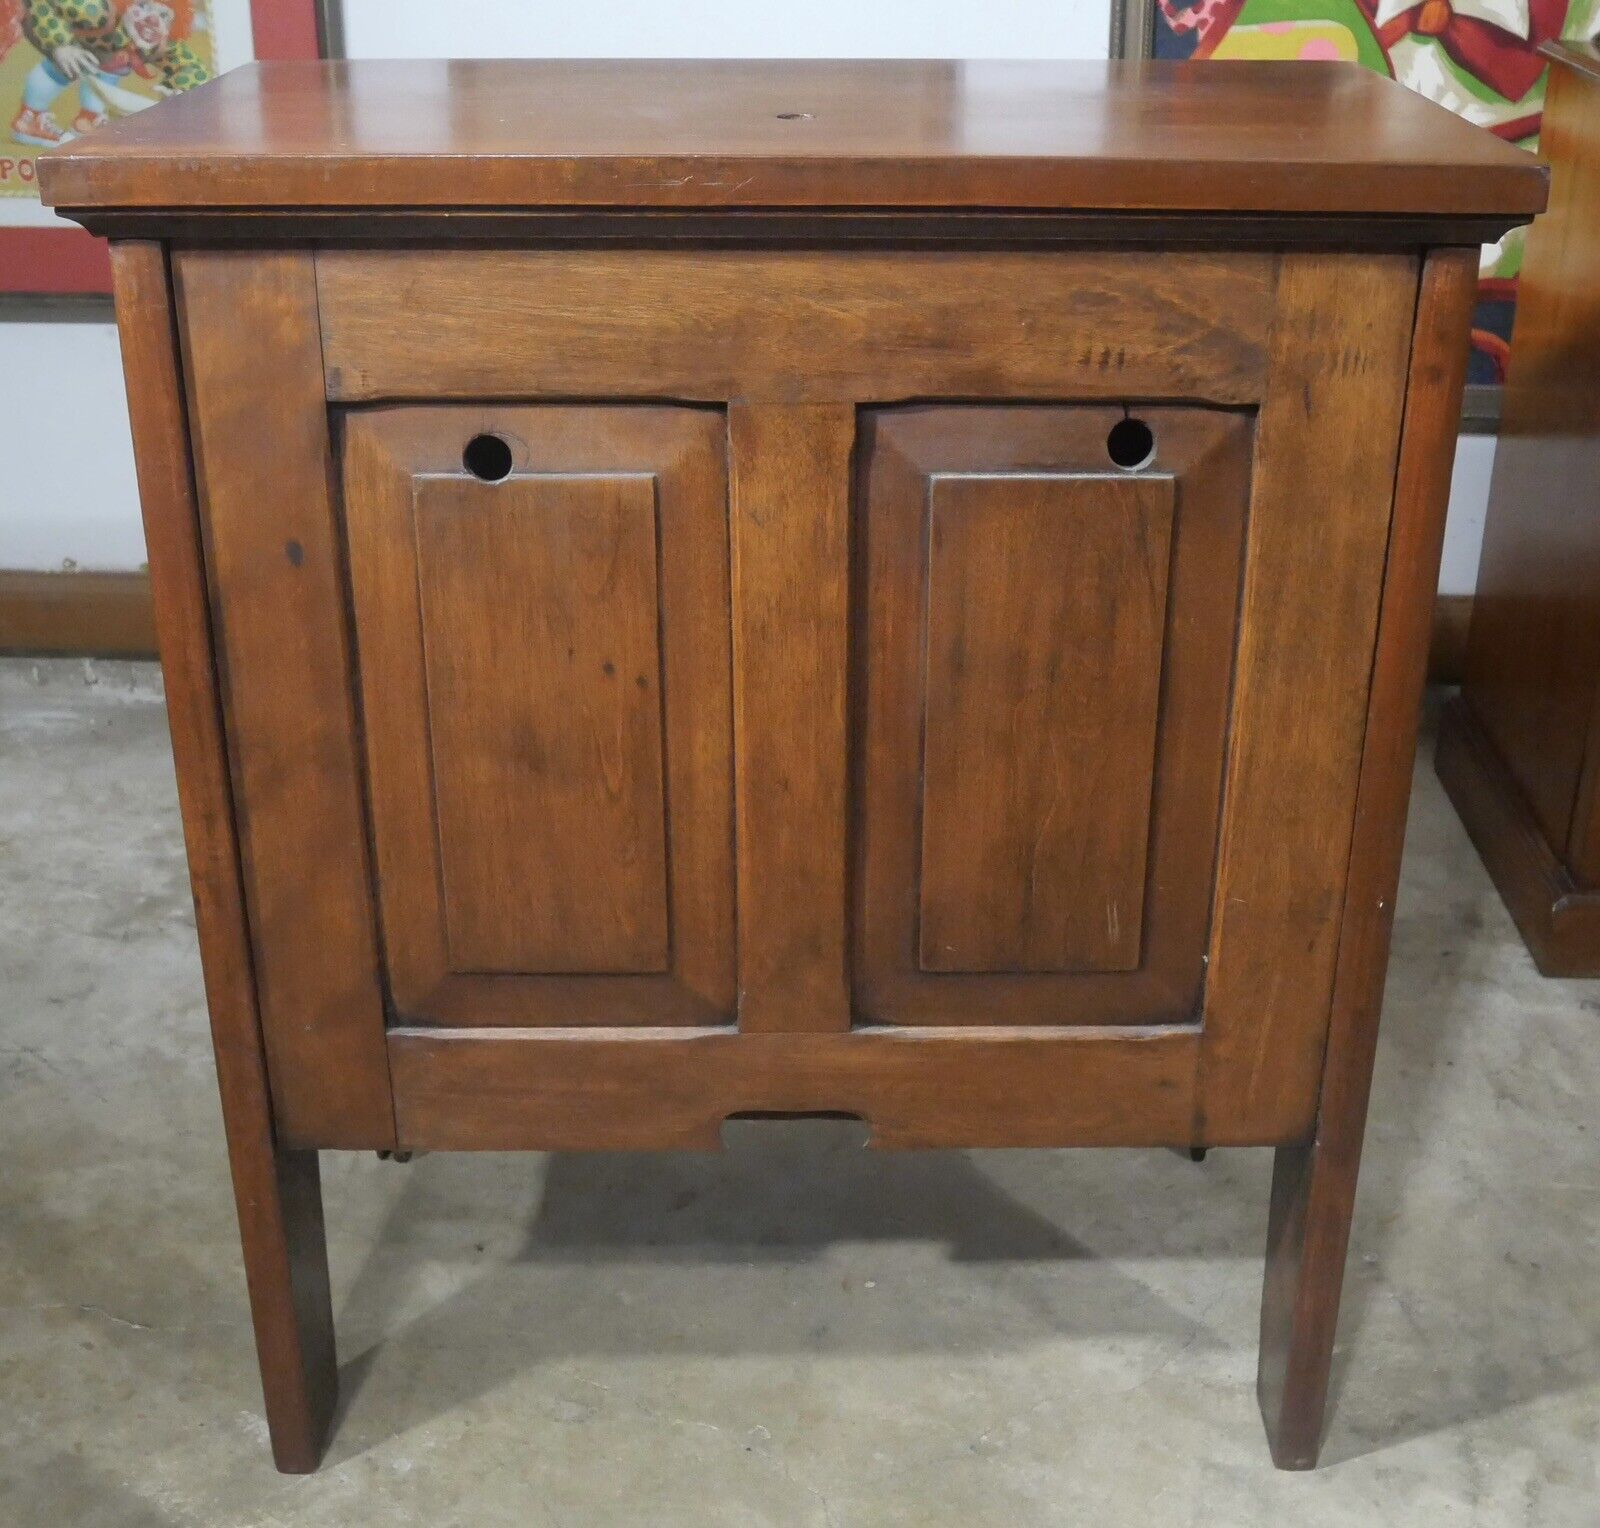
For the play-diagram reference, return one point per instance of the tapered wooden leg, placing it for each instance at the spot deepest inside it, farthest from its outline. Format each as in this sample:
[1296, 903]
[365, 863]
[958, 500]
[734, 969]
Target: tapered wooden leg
[279, 1195]
[1308, 1231]
[1314, 1185]
[278, 1192]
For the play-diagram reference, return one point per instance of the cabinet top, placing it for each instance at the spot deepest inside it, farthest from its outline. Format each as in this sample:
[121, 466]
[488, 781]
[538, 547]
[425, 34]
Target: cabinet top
[1119, 138]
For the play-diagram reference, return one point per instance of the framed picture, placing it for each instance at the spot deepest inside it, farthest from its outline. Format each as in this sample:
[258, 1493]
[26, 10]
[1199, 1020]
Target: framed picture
[68, 66]
[1478, 57]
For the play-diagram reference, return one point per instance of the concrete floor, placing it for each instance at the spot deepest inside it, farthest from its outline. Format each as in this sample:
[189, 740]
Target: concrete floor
[797, 1332]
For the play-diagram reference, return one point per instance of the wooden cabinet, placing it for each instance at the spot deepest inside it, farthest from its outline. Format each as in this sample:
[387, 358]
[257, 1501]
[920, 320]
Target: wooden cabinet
[758, 614]
[1519, 749]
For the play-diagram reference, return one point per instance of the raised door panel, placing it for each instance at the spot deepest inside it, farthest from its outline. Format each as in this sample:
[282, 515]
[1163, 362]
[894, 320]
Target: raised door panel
[539, 617]
[1043, 690]
[543, 646]
[1047, 597]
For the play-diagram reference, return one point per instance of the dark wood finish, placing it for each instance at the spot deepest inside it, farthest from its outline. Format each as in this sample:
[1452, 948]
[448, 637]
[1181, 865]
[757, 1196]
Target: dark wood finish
[545, 690]
[751, 228]
[103, 615]
[1335, 396]
[792, 326]
[1532, 660]
[945, 773]
[1118, 136]
[1532, 685]
[671, 1089]
[263, 470]
[1161, 785]
[539, 618]
[1447, 651]
[790, 518]
[1046, 620]
[276, 1189]
[1314, 1184]
[1559, 920]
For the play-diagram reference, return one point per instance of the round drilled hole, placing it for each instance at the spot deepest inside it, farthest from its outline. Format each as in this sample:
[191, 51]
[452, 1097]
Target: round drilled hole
[1131, 444]
[487, 458]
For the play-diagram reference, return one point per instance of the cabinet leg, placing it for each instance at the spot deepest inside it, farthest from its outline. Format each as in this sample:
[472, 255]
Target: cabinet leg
[279, 1195]
[1314, 1186]
[1308, 1233]
[278, 1192]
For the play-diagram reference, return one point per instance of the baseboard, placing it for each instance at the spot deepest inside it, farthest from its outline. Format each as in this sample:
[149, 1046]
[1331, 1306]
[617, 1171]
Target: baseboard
[1558, 920]
[101, 615]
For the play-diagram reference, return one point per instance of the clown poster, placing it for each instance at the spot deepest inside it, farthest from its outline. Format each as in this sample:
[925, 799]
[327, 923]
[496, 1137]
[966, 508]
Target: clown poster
[1480, 58]
[68, 66]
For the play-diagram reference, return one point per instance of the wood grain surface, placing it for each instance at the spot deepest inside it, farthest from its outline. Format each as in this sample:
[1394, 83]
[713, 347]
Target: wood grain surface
[1307, 137]
[276, 1190]
[1314, 1184]
[264, 468]
[793, 326]
[1320, 509]
[1046, 626]
[1123, 741]
[553, 840]
[790, 531]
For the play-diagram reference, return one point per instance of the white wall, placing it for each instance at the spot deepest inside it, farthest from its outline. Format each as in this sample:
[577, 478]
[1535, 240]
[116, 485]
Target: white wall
[1463, 530]
[67, 496]
[730, 29]
[66, 491]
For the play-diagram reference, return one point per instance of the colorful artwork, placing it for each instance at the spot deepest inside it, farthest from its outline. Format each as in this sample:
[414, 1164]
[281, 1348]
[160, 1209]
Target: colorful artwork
[1480, 58]
[67, 66]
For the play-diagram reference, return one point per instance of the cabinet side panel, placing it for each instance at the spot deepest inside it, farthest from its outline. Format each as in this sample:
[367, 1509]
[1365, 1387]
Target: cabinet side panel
[275, 1191]
[1046, 622]
[1314, 1185]
[1327, 443]
[264, 468]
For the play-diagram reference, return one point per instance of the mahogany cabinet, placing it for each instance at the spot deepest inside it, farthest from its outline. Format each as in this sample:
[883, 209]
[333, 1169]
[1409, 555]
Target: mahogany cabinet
[1519, 749]
[887, 589]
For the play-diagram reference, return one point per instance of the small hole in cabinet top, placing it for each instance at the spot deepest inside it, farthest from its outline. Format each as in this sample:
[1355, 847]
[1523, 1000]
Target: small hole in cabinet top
[487, 458]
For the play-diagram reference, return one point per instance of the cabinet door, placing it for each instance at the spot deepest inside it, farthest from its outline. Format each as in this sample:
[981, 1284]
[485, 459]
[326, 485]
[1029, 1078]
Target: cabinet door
[542, 633]
[1044, 688]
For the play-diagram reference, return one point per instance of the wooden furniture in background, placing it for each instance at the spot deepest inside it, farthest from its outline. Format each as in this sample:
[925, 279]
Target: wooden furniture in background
[1519, 749]
[893, 589]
